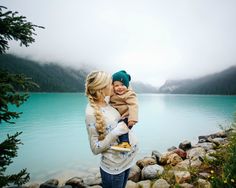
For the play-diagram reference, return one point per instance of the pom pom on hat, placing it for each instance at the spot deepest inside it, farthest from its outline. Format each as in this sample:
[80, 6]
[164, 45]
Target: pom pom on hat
[122, 76]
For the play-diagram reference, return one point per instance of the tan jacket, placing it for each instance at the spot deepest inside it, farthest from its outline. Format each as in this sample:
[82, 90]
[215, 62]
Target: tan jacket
[126, 104]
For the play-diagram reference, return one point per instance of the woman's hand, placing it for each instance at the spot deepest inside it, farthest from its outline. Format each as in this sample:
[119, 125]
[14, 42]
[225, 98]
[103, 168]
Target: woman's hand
[131, 123]
[120, 129]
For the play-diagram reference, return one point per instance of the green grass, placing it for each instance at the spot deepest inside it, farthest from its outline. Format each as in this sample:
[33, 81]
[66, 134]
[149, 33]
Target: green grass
[224, 168]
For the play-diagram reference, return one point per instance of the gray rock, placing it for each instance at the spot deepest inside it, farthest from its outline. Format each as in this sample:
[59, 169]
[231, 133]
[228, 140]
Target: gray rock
[157, 155]
[45, 185]
[182, 176]
[135, 173]
[171, 148]
[76, 182]
[131, 184]
[161, 183]
[196, 153]
[144, 184]
[186, 185]
[92, 180]
[183, 165]
[151, 171]
[185, 145]
[204, 175]
[203, 183]
[145, 162]
[52, 183]
[33, 185]
[206, 145]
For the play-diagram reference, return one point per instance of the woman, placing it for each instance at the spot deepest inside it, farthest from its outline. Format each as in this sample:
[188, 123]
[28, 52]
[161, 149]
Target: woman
[103, 131]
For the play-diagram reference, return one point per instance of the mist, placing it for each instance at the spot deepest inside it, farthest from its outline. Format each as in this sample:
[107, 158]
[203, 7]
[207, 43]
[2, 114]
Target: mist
[152, 40]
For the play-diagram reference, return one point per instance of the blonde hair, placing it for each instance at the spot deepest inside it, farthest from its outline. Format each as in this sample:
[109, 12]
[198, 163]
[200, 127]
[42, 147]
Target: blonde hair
[96, 82]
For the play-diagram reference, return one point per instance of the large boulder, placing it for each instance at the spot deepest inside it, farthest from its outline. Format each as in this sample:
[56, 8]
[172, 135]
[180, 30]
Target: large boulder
[151, 172]
[76, 182]
[145, 162]
[52, 183]
[185, 145]
[182, 176]
[135, 173]
[161, 183]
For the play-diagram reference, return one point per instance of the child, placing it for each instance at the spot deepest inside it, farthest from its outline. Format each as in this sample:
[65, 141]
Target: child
[125, 101]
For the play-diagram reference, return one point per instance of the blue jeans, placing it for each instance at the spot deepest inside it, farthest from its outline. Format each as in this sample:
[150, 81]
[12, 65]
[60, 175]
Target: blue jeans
[114, 181]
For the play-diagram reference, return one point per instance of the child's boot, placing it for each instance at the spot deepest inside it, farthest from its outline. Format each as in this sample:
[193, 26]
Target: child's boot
[123, 146]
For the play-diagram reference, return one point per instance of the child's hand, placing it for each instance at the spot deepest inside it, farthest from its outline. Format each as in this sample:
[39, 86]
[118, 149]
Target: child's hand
[131, 123]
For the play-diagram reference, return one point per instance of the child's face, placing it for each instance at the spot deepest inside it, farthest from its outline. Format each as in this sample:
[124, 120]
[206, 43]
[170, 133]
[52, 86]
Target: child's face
[119, 88]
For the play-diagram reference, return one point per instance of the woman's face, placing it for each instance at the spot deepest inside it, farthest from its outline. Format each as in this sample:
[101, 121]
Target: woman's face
[107, 89]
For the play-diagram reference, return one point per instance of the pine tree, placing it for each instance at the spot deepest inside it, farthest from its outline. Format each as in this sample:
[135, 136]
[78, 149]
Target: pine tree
[13, 27]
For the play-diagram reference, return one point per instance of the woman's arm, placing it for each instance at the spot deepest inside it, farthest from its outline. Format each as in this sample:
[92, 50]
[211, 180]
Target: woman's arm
[98, 146]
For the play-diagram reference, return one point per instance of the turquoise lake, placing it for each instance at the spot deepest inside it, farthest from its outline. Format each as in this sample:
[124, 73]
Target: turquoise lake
[55, 138]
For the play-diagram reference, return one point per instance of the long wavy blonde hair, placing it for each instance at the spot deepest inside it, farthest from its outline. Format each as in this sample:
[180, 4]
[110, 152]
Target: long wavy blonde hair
[96, 82]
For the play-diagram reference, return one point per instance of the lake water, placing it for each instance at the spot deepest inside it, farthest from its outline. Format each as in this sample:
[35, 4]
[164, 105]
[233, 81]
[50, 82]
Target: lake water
[55, 138]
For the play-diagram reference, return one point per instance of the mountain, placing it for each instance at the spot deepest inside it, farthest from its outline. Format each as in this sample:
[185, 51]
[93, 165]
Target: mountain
[140, 87]
[221, 83]
[50, 77]
[55, 78]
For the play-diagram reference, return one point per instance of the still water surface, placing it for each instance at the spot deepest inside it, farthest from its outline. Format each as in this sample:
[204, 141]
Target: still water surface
[55, 138]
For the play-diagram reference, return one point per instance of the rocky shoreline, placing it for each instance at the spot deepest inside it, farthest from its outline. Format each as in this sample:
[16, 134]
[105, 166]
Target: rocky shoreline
[176, 166]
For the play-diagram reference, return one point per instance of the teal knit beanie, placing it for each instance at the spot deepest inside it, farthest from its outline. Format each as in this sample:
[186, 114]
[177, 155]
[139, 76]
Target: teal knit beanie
[121, 76]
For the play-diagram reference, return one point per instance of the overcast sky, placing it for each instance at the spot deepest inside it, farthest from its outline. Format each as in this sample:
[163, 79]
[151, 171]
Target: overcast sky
[153, 40]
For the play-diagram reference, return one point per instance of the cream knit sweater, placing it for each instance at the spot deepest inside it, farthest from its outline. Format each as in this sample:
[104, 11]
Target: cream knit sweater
[112, 162]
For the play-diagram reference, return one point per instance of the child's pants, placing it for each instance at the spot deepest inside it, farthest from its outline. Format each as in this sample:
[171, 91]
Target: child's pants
[124, 137]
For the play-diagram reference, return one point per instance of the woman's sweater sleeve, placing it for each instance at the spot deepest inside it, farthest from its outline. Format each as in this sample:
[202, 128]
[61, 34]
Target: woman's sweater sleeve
[97, 146]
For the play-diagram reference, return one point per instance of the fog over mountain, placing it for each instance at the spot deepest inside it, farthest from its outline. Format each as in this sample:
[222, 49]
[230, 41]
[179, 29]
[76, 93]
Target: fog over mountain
[220, 83]
[152, 40]
[56, 78]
